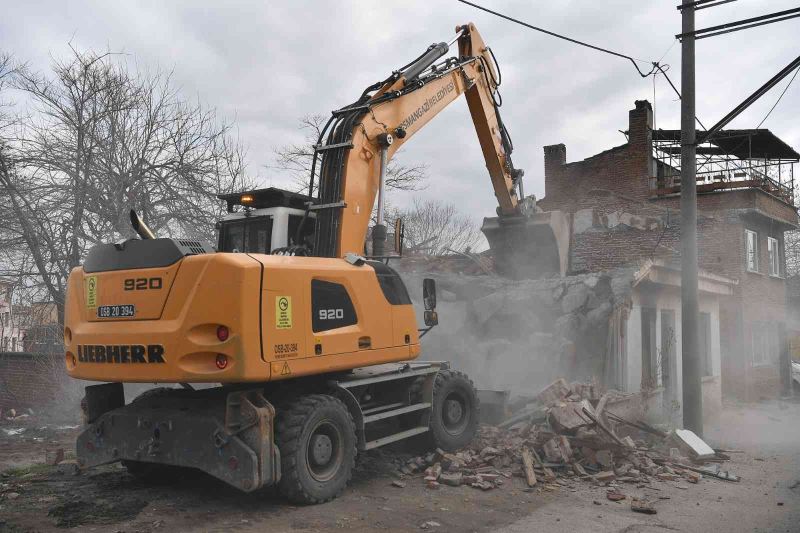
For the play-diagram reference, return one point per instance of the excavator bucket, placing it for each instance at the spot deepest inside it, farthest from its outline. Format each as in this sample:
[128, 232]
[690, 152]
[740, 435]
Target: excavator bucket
[529, 246]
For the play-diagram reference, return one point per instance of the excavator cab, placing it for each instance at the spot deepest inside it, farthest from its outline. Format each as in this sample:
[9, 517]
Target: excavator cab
[265, 221]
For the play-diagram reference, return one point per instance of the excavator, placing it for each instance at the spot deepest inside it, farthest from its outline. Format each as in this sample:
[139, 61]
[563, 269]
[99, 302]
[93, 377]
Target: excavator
[294, 348]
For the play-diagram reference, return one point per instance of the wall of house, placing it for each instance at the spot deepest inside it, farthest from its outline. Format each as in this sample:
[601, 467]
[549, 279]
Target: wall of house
[624, 169]
[668, 298]
[600, 190]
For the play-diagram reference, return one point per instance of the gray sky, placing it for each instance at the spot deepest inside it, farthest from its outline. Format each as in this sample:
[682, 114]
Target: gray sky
[269, 63]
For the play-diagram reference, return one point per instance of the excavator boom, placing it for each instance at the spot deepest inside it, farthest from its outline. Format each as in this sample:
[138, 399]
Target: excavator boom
[362, 138]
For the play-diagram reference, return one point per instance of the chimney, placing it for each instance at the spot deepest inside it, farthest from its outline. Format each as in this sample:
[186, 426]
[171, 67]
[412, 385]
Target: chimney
[640, 124]
[555, 157]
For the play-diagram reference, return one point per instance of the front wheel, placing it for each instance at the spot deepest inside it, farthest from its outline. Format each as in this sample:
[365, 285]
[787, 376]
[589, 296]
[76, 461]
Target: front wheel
[454, 414]
[317, 439]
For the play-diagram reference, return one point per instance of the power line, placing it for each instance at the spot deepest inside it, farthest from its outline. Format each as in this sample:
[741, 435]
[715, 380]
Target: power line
[564, 37]
[779, 99]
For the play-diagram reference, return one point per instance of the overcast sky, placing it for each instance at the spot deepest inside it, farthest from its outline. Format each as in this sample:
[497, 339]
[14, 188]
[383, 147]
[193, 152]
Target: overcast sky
[268, 63]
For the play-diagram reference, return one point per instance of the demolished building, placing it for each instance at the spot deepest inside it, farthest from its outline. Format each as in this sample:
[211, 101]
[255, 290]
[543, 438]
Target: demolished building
[616, 315]
[745, 205]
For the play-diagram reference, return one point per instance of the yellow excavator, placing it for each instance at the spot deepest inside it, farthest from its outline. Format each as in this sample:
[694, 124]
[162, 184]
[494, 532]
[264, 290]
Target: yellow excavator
[310, 341]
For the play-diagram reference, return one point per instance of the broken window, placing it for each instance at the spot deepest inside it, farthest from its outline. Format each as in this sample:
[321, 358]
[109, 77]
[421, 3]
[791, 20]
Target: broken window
[751, 244]
[774, 256]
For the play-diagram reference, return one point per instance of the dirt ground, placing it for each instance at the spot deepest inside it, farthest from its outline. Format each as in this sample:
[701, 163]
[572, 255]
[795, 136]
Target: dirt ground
[37, 497]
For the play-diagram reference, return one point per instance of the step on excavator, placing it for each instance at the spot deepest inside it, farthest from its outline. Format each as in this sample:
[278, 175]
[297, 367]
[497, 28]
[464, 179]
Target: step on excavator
[310, 343]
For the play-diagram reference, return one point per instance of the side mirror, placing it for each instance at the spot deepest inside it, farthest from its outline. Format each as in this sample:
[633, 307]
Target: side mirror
[399, 229]
[429, 294]
[431, 318]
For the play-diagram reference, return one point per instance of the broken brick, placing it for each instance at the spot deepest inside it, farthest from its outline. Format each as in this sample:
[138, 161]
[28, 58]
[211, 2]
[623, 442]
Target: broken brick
[615, 496]
[605, 477]
[451, 479]
[557, 449]
[642, 506]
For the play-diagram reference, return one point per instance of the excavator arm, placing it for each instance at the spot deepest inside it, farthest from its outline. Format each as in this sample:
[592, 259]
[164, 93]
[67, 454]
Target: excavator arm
[360, 139]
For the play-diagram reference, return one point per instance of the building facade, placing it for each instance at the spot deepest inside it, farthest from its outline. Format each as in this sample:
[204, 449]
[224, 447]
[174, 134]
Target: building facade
[624, 205]
[11, 335]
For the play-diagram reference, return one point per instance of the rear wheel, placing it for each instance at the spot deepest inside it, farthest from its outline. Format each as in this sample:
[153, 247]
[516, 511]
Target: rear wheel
[454, 414]
[317, 439]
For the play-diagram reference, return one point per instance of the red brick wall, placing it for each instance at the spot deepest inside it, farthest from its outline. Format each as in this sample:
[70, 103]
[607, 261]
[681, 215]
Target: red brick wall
[624, 169]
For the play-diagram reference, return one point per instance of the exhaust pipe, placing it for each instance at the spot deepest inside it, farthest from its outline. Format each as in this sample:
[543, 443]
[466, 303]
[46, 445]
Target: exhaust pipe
[140, 227]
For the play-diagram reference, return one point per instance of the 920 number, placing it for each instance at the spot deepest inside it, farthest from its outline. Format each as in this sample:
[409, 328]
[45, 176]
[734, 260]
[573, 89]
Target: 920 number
[142, 284]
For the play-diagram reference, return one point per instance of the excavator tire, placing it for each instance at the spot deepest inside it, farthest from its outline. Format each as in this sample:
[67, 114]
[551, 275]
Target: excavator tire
[316, 436]
[455, 410]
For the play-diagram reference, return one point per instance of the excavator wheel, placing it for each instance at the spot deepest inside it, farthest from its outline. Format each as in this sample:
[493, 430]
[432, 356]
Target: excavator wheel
[454, 414]
[316, 436]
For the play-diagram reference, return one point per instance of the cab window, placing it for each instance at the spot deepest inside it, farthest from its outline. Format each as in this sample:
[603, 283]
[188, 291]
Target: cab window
[250, 235]
[308, 229]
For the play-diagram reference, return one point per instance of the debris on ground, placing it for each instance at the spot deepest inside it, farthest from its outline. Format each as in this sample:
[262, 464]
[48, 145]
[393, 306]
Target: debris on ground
[642, 506]
[568, 434]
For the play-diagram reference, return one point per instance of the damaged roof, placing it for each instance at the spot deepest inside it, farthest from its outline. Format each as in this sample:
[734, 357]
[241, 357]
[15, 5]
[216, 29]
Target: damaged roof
[744, 144]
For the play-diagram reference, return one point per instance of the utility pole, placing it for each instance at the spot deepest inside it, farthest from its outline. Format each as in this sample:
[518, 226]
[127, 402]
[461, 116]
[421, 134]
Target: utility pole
[690, 353]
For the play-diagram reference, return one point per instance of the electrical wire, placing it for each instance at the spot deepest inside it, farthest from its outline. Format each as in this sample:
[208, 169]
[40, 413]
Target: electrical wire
[779, 98]
[564, 37]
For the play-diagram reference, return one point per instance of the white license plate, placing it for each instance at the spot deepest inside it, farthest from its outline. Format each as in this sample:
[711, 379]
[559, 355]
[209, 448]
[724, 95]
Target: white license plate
[116, 311]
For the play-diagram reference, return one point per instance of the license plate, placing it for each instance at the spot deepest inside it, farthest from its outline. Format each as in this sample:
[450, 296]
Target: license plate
[116, 311]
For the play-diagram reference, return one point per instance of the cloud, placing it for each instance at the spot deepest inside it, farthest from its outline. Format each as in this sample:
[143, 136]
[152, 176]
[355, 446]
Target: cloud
[269, 63]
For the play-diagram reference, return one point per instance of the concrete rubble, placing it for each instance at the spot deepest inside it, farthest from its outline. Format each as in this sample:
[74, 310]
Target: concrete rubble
[520, 335]
[563, 437]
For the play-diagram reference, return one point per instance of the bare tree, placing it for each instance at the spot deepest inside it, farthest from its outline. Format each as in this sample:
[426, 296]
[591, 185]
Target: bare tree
[97, 140]
[434, 227]
[295, 160]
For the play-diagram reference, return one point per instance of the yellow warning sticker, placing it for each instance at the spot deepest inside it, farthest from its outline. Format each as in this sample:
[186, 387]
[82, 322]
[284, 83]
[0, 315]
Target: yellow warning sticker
[283, 312]
[91, 292]
[285, 371]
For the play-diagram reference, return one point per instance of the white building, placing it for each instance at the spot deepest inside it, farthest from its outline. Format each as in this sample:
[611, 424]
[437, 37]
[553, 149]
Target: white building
[648, 343]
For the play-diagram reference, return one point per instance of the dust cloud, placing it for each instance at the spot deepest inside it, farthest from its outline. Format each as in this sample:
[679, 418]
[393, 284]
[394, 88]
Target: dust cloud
[520, 335]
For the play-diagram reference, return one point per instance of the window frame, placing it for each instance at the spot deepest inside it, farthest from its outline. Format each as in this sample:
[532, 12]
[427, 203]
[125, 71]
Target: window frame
[748, 253]
[774, 256]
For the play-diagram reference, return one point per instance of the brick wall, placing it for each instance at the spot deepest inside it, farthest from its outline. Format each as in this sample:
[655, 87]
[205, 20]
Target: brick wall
[624, 169]
[29, 380]
[618, 180]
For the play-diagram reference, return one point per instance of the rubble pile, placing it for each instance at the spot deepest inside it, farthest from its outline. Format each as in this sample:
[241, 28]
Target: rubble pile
[565, 436]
